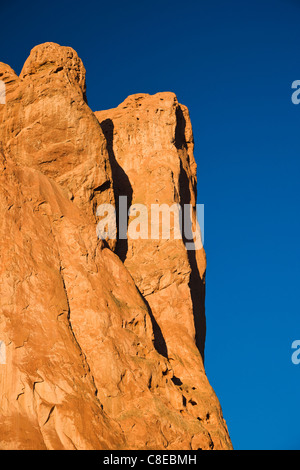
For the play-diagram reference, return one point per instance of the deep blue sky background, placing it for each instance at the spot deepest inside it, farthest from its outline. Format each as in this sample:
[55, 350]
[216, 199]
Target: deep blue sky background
[232, 63]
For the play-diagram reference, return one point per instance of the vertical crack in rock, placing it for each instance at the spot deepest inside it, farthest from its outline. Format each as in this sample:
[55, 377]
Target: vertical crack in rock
[159, 341]
[121, 184]
[196, 282]
[84, 359]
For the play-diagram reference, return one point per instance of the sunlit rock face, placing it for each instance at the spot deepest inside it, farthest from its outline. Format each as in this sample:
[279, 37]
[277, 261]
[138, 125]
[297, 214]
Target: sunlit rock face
[102, 342]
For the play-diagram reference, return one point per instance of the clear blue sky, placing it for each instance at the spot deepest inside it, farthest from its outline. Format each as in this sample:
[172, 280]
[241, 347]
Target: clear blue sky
[232, 63]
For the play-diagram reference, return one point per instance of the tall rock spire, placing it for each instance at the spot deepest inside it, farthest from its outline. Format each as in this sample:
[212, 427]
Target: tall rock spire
[103, 340]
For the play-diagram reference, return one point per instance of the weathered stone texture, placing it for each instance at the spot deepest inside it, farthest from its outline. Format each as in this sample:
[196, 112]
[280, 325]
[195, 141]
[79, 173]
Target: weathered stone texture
[104, 341]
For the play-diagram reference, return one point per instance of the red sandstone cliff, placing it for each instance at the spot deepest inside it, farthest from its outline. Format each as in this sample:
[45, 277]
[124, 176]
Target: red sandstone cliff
[104, 341]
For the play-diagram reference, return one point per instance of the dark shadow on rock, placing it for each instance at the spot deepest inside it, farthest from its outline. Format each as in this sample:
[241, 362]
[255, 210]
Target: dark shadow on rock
[196, 284]
[121, 183]
[180, 141]
[159, 340]
[122, 187]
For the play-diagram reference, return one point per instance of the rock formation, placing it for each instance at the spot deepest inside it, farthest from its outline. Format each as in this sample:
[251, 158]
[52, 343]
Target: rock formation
[104, 339]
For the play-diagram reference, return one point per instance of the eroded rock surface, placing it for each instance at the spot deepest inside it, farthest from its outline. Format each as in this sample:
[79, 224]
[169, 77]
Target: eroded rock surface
[104, 341]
